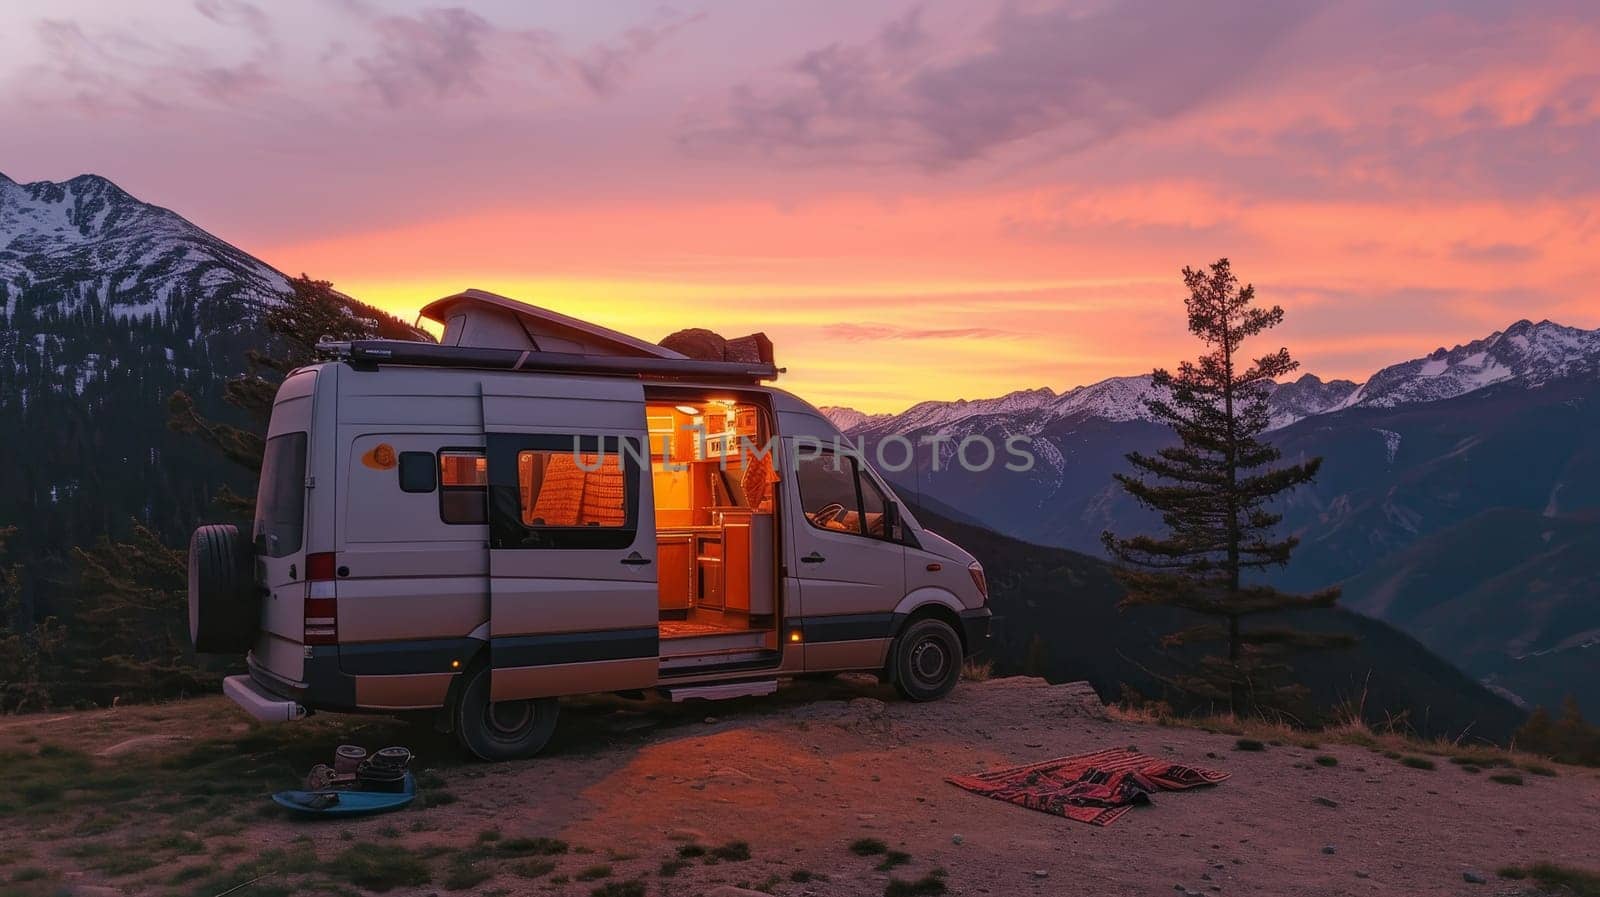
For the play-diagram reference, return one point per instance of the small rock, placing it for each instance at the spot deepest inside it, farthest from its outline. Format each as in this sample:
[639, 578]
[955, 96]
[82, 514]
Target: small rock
[1329, 849]
[1362, 873]
[1205, 876]
[1473, 877]
[710, 719]
[1179, 888]
[1323, 801]
[1041, 873]
[956, 839]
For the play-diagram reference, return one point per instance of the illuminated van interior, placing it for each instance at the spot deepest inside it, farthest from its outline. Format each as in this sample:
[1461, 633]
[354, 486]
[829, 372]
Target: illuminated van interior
[715, 504]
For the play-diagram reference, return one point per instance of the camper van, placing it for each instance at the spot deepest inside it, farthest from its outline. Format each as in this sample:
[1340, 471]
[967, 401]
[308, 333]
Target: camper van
[538, 507]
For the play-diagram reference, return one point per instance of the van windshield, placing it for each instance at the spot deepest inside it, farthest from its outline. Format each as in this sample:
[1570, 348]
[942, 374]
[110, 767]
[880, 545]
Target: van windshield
[281, 499]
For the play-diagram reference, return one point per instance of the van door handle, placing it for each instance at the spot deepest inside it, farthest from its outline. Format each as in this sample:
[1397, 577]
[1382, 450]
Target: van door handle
[636, 560]
[812, 558]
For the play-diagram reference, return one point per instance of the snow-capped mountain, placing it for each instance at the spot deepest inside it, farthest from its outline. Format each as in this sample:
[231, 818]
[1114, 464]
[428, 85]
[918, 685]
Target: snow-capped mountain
[1529, 354]
[87, 241]
[847, 418]
[108, 307]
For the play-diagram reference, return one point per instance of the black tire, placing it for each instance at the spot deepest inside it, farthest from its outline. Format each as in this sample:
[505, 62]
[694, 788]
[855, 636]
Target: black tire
[224, 605]
[508, 730]
[927, 660]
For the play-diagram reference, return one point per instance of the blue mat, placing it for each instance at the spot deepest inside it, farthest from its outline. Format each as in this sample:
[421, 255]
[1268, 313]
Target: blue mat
[338, 802]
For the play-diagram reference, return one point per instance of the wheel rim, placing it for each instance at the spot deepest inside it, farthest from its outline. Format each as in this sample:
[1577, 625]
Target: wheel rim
[930, 661]
[509, 719]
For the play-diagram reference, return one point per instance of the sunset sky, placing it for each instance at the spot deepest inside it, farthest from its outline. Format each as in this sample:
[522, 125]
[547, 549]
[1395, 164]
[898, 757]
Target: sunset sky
[915, 200]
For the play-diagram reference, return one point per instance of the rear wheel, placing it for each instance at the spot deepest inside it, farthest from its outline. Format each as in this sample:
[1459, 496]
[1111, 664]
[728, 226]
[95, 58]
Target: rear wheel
[224, 606]
[502, 730]
[927, 660]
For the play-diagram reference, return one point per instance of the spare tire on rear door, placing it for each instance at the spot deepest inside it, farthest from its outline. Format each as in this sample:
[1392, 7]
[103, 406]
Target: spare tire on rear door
[224, 606]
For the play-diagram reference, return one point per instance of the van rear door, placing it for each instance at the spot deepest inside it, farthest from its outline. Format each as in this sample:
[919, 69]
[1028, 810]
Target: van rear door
[280, 528]
[572, 573]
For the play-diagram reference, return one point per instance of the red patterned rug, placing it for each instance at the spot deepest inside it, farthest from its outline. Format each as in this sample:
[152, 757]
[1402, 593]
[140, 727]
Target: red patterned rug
[1097, 788]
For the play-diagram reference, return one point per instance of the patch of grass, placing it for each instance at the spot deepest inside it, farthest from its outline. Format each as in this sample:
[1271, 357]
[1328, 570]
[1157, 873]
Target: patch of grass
[633, 887]
[30, 873]
[379, 867]
[125, 863]
[1392, 755]
[801, 876]
[534, 868]
[1326, 760]
[594, 873]
[1507, 778]
[976, 670]
[174, 841]
[489, 836]
[892, 859]
[437, 798]
[690, 851]
[188, 874]
[1249, 744]
[1417, 762]
[866, 847]
[733, 852]
[527, 847]
[463, 873]
[671, 867]
[1553, 877]
[768, 885]
[926, 886]
[1538, 769]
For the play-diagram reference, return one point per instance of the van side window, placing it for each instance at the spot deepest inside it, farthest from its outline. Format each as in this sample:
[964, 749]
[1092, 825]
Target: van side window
[281, 497]
[417, 472]
[463, 486]
[559, 489]
[563, 492]
[835, 496]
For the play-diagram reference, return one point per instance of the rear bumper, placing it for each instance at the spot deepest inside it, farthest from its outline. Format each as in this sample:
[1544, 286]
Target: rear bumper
[323, 687]
[975, 629]
[259, 702]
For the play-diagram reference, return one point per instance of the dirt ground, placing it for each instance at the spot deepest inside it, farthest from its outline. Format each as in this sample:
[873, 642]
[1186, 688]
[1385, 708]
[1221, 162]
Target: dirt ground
[147, 807]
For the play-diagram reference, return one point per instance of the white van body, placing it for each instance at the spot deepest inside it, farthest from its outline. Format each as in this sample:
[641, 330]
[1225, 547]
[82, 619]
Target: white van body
[436, 535]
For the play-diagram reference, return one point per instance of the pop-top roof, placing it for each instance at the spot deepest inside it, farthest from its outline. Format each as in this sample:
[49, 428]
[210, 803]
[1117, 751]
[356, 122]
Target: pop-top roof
[480, 319]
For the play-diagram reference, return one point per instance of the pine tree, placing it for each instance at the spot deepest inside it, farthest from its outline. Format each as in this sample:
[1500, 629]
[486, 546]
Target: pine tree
[314, 312]
[1212, 491]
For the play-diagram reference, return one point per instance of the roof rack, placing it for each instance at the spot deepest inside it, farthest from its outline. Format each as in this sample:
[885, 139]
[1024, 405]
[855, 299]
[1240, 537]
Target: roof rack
[404, 352]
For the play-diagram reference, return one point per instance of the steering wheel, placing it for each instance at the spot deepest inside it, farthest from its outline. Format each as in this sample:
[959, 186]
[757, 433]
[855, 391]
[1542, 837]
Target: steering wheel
[827, 512]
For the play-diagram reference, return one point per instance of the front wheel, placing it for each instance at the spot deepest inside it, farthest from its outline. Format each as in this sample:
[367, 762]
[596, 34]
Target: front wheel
[502, 730]
[927, 660]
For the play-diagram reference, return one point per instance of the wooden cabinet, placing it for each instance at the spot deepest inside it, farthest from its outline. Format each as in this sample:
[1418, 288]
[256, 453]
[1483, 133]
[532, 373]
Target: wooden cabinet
[708, 555]
[676, 576]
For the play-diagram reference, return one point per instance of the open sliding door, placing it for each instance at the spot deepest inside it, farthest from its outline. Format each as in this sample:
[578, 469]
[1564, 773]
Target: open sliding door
[572, 545]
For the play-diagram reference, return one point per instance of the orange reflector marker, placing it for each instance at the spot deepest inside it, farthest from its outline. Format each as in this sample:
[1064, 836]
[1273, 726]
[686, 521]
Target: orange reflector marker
[380, 457]
[794, 635]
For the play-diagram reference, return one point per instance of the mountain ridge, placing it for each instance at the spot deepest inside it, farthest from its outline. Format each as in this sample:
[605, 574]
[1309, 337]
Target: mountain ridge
[1525, 352]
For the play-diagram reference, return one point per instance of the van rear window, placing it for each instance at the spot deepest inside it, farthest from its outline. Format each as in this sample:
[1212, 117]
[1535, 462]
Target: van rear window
[281, 497]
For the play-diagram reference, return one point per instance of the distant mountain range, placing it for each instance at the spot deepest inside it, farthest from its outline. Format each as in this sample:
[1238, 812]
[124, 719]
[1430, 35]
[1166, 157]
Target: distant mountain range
[109, 304]
[1500, 435]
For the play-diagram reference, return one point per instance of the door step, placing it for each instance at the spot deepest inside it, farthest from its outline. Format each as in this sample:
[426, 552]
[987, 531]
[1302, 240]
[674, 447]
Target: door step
[682, 646]
[722, 691]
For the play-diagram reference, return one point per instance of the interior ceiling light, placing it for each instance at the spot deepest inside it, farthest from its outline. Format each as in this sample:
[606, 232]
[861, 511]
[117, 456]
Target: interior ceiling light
[688, 409]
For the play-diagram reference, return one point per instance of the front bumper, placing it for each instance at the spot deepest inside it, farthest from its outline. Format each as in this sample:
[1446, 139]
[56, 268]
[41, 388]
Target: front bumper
[975, 629]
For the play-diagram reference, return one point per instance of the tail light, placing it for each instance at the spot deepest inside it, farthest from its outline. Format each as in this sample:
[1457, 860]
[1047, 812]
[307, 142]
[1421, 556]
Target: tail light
[979, 580]
[322, 600]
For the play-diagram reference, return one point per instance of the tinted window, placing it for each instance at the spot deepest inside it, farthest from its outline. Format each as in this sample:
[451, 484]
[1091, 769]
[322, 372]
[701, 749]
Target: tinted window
[463, 486]
[281, 497]
[417, 472]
